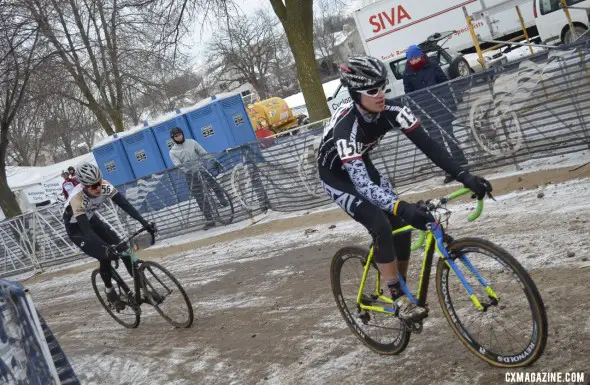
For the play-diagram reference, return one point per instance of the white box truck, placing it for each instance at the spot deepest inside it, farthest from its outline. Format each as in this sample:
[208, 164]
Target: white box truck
[387, 28]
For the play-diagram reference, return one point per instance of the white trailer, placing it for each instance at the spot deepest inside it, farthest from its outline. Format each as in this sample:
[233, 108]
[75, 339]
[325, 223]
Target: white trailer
[387, 28]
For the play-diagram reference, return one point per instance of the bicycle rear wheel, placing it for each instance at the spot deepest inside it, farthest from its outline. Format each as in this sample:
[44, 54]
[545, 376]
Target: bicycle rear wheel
[128, 317]
[222, 207]
[510, 333]
[166, 294]
[381, 332]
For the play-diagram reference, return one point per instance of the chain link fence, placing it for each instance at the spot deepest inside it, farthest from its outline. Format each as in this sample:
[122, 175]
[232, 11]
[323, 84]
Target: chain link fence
[533, 108]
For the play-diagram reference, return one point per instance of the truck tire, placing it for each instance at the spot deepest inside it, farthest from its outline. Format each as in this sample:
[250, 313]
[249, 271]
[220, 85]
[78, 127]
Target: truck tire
[568, 36]
[459, 67]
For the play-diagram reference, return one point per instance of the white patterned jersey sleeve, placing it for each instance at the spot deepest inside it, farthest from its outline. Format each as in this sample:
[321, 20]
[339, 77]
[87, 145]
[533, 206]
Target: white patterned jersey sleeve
[384, 198]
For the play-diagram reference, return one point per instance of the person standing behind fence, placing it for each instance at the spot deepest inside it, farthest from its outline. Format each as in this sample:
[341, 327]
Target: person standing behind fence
[421, 73]
[72, 172]
[187, 154]
[68, 184]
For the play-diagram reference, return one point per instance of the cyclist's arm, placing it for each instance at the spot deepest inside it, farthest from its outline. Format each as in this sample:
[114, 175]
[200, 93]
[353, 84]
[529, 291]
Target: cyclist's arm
[353, 163]
[433, 150]
[78, 212]
[123, 203]
[411, 127]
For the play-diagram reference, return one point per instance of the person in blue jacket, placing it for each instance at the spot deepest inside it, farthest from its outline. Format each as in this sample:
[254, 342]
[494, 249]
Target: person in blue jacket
[421, 72]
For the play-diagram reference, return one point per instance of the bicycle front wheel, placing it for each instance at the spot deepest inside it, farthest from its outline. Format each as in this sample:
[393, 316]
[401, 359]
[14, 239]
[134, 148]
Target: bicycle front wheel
[381, 332]
[248, 188]
[512, 331]
[166, 294]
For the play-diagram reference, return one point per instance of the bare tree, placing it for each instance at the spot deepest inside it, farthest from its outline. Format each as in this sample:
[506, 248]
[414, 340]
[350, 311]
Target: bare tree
[246, 52]
[328, 24]
[26, 136]
[296, 16]
[106, 45]
[18, 45]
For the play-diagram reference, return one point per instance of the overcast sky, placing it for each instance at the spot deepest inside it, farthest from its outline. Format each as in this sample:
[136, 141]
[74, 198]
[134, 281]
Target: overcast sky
[196, 41]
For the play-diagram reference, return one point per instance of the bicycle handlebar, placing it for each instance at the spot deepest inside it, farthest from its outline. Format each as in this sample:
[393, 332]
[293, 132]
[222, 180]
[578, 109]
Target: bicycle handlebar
[135, 234]
[463, 191]
[473, 216]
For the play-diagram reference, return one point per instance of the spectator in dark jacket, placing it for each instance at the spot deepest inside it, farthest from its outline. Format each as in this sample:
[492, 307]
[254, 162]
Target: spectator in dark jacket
[438, 104]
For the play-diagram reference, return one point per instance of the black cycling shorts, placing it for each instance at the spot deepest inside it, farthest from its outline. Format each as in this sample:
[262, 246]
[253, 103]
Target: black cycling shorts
[378, 222]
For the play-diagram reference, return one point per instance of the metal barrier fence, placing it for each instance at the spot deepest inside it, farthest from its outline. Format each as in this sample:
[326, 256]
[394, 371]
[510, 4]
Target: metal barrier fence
[29, 352]
[534, 108]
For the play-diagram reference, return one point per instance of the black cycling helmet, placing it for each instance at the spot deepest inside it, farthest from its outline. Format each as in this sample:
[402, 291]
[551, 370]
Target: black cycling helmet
[175, 131]
[362, 73]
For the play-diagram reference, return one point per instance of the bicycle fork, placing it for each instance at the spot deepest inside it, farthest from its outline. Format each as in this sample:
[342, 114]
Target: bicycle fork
[438, 236]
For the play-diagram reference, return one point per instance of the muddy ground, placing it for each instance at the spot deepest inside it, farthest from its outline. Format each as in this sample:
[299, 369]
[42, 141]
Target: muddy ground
[265, 313]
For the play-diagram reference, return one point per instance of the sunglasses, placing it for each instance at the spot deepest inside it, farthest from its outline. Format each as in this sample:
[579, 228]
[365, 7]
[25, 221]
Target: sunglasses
[94, 186]
[374, 91]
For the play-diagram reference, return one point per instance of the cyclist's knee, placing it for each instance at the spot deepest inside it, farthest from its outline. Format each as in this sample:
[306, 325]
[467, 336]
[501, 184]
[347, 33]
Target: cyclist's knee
[383, 241]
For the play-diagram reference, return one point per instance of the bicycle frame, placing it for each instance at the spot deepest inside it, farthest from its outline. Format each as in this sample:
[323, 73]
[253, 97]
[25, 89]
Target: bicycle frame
[134, 269]
[136, 279]
[434, 241]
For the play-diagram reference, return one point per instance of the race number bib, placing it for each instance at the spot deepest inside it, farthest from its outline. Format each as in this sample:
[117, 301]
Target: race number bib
[348, 150]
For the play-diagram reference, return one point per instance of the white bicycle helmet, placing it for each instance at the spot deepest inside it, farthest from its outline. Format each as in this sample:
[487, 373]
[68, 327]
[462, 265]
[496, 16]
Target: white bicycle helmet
[89, 174]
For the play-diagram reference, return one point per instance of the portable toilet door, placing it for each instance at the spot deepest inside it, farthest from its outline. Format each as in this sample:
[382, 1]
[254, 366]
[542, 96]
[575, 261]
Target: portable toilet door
[143, 153]
[113, 163]
[161, 132]
[236, 116]
[209, 128]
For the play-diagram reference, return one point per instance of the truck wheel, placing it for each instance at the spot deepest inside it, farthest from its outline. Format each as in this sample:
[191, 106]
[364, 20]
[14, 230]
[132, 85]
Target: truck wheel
[568, 36]
[459, 67]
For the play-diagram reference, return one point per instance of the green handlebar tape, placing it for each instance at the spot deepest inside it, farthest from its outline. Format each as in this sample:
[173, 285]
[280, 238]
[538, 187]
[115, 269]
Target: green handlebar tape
[477, 211]
[458, 193]
[418, 244]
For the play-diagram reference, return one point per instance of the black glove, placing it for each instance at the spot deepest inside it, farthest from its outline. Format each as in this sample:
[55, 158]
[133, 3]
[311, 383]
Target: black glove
[477, 184]
[415, 215]
[150, 227]
[113, 251]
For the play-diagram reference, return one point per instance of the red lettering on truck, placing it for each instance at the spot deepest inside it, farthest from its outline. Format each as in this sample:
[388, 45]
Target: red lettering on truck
[378, 22]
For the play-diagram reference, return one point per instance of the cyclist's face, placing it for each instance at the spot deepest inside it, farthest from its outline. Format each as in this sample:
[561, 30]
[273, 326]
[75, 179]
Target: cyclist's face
[374, 103]
[178, 137]
[95, 189]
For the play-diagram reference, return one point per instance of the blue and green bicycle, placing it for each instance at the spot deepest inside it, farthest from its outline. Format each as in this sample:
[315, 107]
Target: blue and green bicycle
[492, 304]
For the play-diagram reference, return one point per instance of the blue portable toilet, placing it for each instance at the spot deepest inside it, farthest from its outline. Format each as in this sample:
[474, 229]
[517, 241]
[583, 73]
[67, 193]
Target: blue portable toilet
[161, 131]
[112, 161]
[208, 125]
[236, 116]
[143, 152]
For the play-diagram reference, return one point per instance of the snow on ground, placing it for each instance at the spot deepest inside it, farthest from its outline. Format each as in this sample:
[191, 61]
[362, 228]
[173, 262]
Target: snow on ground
[256, 295]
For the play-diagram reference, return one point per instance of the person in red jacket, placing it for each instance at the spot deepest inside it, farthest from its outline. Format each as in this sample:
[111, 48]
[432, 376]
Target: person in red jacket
[68, 184]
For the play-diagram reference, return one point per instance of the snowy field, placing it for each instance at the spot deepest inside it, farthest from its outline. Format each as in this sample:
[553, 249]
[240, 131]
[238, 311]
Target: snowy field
[265, 313]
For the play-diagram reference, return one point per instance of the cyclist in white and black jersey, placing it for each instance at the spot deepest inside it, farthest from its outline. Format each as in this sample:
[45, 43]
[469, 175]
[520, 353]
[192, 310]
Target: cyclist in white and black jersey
[352, 181]
[88, 232]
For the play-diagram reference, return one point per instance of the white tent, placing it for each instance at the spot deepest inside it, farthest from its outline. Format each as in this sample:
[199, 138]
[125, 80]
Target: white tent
[32, 185]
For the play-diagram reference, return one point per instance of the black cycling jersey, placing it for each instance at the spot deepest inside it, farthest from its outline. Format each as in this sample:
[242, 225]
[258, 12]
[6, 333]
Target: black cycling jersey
[350, 136]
